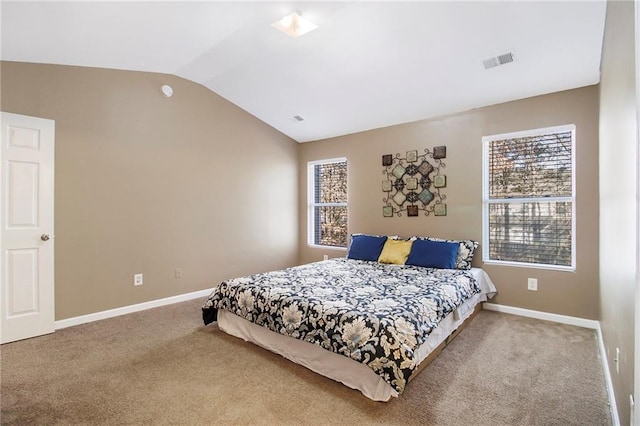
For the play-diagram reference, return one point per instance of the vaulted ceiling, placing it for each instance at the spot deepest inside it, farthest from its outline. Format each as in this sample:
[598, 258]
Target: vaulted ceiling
[368, 65]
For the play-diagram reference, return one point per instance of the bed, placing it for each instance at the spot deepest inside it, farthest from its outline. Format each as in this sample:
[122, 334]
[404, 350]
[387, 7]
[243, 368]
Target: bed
[369, 325]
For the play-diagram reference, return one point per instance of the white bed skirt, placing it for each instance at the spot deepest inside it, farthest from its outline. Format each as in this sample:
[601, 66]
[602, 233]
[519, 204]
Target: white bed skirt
[338, 367]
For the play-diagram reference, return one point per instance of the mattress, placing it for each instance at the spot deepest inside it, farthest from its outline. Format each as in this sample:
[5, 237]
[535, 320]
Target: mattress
[335, 362]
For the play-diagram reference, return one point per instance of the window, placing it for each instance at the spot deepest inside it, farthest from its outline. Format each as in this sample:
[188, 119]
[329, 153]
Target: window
[529, 201]
[327, 201]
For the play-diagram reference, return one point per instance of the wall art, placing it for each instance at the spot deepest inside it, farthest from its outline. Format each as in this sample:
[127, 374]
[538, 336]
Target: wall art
[440, 181]
[414, 183]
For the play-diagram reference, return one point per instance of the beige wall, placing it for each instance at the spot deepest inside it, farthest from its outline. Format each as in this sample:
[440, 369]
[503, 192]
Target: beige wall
[566, 293]
[618, 203]
[148, 184]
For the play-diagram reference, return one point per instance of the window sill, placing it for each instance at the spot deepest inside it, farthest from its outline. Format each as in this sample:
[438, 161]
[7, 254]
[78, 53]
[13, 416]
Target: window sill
[314, 246]
[529, 265]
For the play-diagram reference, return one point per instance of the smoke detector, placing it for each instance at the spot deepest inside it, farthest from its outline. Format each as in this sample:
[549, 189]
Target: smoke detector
[167, 90]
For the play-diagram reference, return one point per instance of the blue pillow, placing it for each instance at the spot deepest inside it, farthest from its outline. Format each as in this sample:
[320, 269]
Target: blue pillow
[433, 254]
[366, 247]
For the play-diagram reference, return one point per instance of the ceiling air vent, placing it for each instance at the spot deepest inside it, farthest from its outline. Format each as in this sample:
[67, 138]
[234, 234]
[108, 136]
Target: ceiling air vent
[298, 118]
[494, 61]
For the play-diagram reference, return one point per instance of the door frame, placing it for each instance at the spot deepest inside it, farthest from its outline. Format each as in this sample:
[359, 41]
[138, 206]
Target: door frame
[635, 413]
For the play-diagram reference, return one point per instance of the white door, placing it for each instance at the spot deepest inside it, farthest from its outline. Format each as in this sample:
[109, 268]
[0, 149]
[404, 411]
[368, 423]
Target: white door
[26, 217]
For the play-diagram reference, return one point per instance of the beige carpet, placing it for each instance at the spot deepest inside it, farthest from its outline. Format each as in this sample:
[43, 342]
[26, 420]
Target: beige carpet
[163, 367]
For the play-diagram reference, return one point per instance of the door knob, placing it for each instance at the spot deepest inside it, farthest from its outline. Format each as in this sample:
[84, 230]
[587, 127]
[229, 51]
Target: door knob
[45, 237]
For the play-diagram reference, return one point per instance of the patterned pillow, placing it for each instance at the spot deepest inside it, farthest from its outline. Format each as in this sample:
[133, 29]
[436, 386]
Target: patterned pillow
[466, 250]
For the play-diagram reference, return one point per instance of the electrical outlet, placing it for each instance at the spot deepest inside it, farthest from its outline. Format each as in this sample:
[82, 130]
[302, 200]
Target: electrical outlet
[325, 257]
[177, 273]
[137, 279]
[617, 360]
[532, 284]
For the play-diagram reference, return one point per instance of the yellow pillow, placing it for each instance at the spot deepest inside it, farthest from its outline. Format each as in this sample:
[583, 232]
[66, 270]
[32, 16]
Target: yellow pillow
[395, 251]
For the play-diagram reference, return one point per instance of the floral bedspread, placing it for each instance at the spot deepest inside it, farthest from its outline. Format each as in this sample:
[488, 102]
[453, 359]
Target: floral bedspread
[373, 313]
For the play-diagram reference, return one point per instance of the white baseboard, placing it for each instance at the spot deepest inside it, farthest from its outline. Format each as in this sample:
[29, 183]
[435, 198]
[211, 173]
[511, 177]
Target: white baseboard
[607, 378]
[580, 322]
[83, 319]
[563, 319]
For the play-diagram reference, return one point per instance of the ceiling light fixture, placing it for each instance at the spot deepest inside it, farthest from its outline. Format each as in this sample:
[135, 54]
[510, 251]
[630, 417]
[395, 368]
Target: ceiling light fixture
[294, 25]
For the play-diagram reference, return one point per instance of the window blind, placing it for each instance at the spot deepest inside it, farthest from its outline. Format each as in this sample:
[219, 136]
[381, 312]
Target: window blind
[537, 166]
[329, 205]
[530, 199]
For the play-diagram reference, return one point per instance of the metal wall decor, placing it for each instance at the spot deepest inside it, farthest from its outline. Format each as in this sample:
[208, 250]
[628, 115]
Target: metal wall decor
[413, 183]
